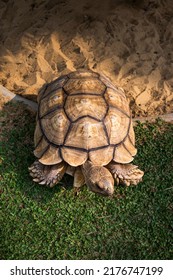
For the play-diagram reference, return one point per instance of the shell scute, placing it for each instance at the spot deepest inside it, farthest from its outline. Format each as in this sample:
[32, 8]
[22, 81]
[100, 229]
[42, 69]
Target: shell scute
[115, 99]
[51, 156]
[117, 125]
[55, 126]
[85, 105]
[53, 101]
[73, 157]
[122, 155]
[85, 86]
[82, 74]
[47, 89]
[41, 147]
[38, 135]
[85, 134]
[102, 156]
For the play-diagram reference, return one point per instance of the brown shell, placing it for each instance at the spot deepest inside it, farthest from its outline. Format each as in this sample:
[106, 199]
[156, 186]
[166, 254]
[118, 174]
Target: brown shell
[83, 116]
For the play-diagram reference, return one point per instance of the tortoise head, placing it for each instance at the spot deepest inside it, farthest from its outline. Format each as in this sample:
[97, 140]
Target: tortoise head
[98, 179]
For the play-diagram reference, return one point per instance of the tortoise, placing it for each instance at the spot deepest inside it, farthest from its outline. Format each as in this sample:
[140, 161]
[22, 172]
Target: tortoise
[84, 128]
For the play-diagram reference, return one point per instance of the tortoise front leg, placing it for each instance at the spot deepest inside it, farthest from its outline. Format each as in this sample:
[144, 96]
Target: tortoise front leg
[47, 174]
[79, 179]
[126, 174]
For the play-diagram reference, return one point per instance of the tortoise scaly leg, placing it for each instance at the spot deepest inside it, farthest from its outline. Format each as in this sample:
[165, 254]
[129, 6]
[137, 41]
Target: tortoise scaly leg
[126, 174]
[79, 179]
[47, 174]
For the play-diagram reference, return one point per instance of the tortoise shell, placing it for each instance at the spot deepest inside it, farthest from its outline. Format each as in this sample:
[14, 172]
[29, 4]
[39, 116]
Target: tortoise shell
[83, 116]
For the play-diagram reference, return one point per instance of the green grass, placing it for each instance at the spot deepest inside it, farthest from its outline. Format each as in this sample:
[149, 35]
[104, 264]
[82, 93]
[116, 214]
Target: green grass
[41, 223]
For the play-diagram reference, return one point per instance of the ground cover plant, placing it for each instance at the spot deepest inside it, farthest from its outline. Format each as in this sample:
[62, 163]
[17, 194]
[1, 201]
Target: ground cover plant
[41, 223]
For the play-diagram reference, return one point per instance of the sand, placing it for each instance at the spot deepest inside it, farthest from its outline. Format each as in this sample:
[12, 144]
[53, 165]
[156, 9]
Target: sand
[129, 41]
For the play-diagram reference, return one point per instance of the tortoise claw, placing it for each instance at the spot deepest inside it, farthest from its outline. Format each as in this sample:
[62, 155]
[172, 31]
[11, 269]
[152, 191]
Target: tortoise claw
[126, 174]
[47, 175]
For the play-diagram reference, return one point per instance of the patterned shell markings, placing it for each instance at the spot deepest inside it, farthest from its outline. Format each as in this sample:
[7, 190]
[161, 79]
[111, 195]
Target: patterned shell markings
[83, 115]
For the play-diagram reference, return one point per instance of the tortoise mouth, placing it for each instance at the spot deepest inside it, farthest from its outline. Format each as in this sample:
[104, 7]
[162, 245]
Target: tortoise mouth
[108, 194]
[106, 191]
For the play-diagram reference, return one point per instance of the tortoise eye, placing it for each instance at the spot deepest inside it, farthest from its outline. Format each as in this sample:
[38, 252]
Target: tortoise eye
[99, 188]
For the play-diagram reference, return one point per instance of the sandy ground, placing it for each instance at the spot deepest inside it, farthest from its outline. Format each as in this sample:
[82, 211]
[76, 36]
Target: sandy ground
[129, 41]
